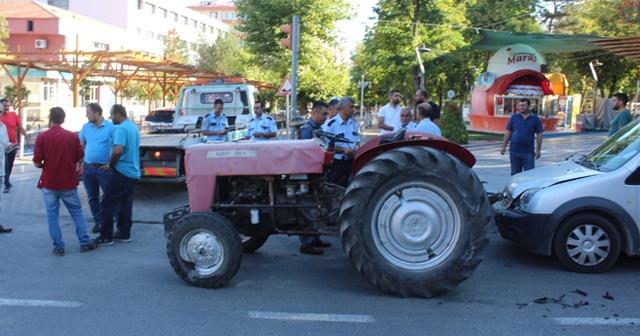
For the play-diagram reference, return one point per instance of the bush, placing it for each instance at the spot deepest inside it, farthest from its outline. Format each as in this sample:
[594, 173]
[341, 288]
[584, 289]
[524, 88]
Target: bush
[451, 124]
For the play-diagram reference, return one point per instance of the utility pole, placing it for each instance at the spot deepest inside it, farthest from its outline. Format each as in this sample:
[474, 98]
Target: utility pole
[295, 36]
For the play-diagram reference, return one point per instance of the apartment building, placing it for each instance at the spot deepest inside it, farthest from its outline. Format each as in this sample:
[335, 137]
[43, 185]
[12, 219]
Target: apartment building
[225, 11]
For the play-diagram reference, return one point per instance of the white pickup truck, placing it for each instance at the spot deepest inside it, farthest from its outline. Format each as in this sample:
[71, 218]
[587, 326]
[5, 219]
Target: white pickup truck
[162, 155]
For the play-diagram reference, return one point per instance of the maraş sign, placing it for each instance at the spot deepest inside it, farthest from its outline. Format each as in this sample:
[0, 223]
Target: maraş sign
[520, 57]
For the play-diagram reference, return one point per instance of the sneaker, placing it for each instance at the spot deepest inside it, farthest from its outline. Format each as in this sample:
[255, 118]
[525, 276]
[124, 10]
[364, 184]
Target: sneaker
[90, 246]
[96, 228]
[321, 243]
[100, 240]
[7, 190]
[58, 252]
[310, 249]
[122, 238]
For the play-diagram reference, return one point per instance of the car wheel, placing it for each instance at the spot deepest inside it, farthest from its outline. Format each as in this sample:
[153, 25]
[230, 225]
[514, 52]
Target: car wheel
[204, 249]
[414, 222]
[587, 243]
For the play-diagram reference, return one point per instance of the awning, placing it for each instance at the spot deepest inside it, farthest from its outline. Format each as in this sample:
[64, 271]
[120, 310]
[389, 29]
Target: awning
[628, 47]
[544, 43]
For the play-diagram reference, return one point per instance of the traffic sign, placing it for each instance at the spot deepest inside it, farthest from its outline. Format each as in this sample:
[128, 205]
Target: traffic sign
[285, 88]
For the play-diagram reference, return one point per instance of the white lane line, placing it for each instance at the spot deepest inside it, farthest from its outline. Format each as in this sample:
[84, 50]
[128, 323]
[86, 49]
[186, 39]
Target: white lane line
[39, 303]
[597, 321]
[312, 317]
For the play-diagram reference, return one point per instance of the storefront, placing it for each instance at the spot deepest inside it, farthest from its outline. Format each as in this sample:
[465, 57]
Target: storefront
[513, 73]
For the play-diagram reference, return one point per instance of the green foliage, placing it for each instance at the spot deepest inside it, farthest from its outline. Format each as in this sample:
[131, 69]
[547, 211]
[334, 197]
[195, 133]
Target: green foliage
[451, 123]
[226, 55]
[176, 48]
[4, 33]
[320, 74]
[11, 93]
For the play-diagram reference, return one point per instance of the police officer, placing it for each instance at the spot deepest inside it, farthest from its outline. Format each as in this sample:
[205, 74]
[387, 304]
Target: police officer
[309, 244]
[262, 127]
[215, 123]
[343, 123]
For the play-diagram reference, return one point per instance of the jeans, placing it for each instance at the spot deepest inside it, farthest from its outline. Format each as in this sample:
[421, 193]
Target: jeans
[119, 192]
[340, 172]
[521, 162]
[71, 201]
[95, 179]
[9, 158]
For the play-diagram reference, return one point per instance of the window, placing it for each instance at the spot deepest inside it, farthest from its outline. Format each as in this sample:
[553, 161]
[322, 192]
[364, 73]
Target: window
[184, 20]
[48, 91]
[229, 16]
[149, 34]
[174, 16]
[211, 29]
[210, 97]
[150, 8]
[162, 12]
[30, 25]
[202, 27]
[101, 46]
[64, 4]
[162, 38]
[214, 15]
[194, 23]
[140, 4]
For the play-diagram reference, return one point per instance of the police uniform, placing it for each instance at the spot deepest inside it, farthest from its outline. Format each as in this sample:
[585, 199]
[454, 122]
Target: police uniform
[340, 171]
[411, 125]
[213, 123]
[265, 124]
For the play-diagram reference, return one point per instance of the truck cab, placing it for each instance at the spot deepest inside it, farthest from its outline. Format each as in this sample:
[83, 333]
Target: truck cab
[194, 102]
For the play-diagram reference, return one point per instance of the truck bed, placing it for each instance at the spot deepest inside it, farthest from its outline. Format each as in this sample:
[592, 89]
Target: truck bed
[164, 140]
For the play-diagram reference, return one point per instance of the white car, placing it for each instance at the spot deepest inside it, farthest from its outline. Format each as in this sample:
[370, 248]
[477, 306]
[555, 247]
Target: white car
[583, 211]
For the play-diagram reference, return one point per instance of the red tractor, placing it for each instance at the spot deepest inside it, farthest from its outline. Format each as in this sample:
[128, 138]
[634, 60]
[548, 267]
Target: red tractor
[413, 221]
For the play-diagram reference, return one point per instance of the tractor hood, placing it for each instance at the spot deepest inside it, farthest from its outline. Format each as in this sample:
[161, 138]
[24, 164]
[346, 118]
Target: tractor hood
[547, 176]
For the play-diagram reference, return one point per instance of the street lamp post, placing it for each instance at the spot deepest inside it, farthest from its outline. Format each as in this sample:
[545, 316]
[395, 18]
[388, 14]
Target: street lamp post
[420, 50]
[592, 65]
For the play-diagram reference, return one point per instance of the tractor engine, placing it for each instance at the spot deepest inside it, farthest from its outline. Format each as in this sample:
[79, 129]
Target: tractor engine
[282, 203]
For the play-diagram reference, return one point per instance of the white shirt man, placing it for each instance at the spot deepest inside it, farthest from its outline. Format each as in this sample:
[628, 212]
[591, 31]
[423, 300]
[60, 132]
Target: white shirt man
[424, 121]
[405, 120]
[389, 115]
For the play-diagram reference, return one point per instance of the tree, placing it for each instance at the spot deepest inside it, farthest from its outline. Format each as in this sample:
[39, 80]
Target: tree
[320, 74]
[176, 48]
[4, 33]
[11, 93]
[226, 55]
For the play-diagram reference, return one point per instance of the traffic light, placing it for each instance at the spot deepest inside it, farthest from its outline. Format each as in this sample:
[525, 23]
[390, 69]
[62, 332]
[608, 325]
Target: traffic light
[288, 29]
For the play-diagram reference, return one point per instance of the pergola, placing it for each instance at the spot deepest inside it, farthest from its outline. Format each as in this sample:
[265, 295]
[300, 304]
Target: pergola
[628, 47]
[122, 66]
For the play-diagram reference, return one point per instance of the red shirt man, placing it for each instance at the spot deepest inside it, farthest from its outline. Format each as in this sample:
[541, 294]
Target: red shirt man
[58, 151]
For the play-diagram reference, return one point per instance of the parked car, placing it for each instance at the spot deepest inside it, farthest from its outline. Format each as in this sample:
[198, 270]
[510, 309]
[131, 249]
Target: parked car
[159, 120]
[583, 211]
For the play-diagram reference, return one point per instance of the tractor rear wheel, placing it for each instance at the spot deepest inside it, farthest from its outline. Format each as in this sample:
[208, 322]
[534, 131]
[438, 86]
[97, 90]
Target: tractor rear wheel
[414, 221]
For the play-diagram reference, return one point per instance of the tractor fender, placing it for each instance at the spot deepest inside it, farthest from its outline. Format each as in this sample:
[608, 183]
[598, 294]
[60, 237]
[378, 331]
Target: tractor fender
[373, 148]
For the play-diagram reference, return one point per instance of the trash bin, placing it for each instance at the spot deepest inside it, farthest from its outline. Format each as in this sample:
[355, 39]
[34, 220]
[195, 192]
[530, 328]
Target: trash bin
[590, 122]
[580, 121]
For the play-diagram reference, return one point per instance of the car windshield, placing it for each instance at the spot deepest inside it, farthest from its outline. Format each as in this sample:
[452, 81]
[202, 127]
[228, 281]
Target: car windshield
[616, 150]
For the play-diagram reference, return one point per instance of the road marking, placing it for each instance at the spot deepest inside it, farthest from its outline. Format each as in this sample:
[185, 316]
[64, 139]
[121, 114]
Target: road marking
[312, 317]
[39, 303]
[597, 321]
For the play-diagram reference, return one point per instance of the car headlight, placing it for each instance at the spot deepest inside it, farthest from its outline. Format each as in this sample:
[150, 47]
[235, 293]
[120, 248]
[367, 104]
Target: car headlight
[523, 201]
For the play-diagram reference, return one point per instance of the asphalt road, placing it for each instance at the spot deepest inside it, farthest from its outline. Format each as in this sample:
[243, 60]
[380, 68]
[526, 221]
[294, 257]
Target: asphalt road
[130, 288]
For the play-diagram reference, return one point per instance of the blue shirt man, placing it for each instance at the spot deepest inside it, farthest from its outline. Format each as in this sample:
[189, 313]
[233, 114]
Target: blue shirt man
[125, 173]
[522, 128]
[95, 137]
[262, 127]
[215, 123]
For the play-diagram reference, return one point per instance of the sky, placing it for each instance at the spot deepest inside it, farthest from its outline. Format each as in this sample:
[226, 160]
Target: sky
[353, 31]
